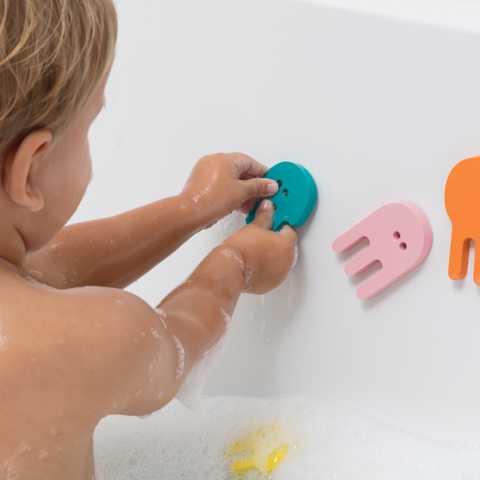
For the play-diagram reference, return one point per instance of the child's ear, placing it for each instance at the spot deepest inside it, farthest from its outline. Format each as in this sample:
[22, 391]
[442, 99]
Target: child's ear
[19, 169]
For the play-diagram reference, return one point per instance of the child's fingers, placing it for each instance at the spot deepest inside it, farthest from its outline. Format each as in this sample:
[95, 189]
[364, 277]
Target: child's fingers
[289, 233]
[247, 206]
[264, 216]
[260, 187]
[246, 166]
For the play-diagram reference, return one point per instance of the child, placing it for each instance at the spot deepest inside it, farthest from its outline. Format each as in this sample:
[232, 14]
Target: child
[75, 347]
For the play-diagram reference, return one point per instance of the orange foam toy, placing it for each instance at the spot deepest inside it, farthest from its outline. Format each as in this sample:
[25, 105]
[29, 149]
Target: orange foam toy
[462, 199]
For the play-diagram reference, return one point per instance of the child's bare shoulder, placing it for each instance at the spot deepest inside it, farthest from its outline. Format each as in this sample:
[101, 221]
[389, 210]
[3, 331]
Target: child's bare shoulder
[89, 342]
[82, 354]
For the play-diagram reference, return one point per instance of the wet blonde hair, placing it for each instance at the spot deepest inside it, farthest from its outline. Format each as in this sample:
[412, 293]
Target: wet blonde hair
[53, 56]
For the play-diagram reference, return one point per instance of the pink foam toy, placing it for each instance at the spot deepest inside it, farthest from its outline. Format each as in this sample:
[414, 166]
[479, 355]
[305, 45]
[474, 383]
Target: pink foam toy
[400, 239]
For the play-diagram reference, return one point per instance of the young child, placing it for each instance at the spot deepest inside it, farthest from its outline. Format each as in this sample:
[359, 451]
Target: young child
[75, 347]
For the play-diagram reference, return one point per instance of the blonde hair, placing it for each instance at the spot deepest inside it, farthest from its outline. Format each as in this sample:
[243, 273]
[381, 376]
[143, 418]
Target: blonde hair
[53, 56]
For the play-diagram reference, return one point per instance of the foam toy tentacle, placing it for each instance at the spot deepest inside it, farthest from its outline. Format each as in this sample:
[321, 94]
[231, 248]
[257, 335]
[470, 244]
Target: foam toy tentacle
[476, 266]
[361, 263]
[349, 239]
[381, 281]
[459, 253]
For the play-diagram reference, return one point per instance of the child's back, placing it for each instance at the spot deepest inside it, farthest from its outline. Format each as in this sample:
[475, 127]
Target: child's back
[41, 435]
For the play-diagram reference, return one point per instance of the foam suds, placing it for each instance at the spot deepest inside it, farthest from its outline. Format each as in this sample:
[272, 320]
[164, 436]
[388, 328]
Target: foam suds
[231, 223]
[262, 300]
[191, 392]
[295, 256]
[7, 472]
[36, 274]
[323, 440]
[248, 273]
[42, 455]
[229, 254]
[97, 475]
[154, 333]
[181, 357]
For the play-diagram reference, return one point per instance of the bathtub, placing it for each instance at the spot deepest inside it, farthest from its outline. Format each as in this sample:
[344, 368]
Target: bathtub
[379, 101]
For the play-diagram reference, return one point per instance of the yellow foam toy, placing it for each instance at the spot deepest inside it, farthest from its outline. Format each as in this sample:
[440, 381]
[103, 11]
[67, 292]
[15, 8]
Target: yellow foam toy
[263, 450]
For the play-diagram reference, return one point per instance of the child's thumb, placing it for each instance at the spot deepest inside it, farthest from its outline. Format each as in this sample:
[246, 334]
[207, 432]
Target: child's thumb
[264, 215]
[260, 187]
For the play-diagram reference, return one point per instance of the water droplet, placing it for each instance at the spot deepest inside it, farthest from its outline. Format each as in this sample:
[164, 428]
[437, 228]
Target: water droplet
[42, 455]
[36, 274]
[155, 333]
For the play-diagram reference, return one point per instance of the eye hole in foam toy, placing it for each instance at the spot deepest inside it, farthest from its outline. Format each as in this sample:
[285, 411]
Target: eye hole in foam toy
[400, 239]
[296, 196]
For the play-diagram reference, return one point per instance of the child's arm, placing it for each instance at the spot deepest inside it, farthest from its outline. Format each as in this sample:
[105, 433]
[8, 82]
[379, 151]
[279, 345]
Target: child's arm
[117, 251]
[138, 358]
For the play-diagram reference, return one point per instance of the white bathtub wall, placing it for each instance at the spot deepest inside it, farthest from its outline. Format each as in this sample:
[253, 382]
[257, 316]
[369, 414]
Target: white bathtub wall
[449, 14]
[379, 109]
[442, 13]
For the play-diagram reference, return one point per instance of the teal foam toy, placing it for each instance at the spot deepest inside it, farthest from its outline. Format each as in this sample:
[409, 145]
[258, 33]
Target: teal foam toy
[295, 198]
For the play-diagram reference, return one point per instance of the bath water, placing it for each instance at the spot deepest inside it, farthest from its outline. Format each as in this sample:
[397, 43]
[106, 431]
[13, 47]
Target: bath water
[324, 440]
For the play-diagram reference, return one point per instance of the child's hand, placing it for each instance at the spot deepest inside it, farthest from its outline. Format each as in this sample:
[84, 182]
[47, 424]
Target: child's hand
[223, 182]
[269, 255]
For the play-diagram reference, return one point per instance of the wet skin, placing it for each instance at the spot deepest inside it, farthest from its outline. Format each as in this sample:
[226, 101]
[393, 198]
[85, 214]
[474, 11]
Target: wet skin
[75, 347]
